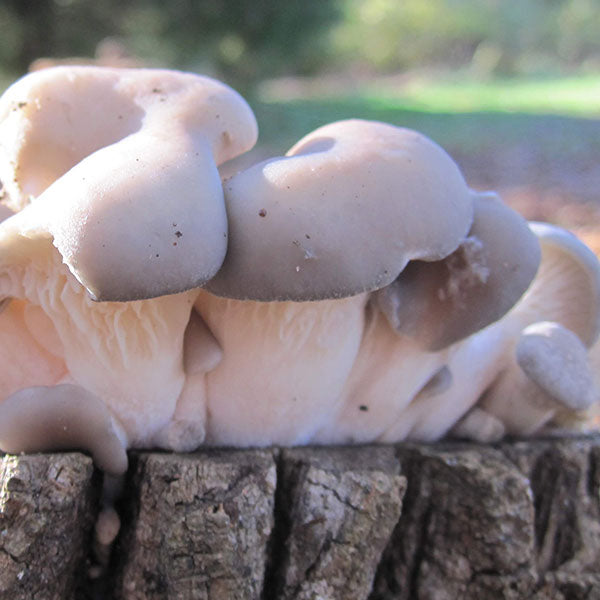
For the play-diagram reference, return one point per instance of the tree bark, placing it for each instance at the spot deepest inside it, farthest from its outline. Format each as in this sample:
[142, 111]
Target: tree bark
[516, 520]
[197, 526]
[47, 511]
[520, 520]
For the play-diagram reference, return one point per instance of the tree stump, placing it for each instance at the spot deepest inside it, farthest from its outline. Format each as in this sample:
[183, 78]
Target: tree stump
[47, 510]
[197, 526]
[515, 520]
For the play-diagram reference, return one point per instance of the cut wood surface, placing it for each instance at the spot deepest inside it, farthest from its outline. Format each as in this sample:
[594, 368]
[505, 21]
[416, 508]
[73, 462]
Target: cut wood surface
[516, 520]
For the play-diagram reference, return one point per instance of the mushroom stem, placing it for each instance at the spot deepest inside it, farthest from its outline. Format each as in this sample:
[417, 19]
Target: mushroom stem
[283, 369]
[201, 353]
[480, 426]
[474, 364]
[201, 350]
[388, 373]
[548, 377]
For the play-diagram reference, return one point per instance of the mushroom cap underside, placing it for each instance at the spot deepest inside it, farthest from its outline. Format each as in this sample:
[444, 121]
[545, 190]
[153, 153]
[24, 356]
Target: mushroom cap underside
[442, 302]
[566, 288]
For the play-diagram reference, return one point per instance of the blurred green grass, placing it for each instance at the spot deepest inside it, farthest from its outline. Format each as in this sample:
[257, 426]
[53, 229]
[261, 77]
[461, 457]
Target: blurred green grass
[559, 116]
[568, 96]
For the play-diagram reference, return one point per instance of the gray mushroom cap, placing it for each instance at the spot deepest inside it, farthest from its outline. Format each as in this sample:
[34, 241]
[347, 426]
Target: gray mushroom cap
[131, 197]
[556, 360]
[342, 213]
[61, 417]
[439, 303]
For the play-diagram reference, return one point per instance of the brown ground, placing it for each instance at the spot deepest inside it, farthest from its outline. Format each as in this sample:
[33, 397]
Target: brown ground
[564, 192]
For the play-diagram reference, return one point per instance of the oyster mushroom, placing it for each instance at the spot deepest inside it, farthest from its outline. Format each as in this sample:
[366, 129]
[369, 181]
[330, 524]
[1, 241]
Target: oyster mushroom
[342, 213]
[353, 290]
[311, 234]
[119, 201]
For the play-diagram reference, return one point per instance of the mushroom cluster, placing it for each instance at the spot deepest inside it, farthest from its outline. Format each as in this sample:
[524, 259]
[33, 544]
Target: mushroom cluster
[354, 290]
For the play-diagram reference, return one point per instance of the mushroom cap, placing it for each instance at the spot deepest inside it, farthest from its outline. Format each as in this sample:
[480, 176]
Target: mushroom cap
[555, 359]
[127, 237]
[566, 288]
[62, 417]
[131, 197]
[439, 303]
[52, 119]
[547, 382]
[342, 213]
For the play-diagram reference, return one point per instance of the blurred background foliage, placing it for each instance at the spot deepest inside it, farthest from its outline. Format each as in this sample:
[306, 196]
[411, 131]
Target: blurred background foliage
[248, 41]
[511, 88]
[239, 41]
[490, 37]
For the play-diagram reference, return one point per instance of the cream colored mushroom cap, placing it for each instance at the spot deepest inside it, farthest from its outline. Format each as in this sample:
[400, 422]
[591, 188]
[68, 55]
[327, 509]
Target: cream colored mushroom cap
[52, 119]
[342, 213]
